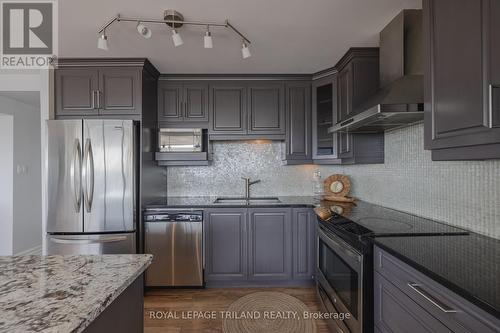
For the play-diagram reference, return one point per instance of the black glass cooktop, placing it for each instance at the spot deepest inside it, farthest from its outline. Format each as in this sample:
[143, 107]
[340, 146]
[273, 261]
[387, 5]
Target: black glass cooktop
[365, 219]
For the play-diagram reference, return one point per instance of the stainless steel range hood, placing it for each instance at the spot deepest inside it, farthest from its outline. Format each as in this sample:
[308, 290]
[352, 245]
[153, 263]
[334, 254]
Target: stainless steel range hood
[399, 101]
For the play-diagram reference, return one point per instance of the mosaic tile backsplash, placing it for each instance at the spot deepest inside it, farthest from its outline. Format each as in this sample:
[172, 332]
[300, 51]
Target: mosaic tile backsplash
[465, 193]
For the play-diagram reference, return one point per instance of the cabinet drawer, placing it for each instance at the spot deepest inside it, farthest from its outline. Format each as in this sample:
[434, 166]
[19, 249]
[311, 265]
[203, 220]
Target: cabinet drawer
[454, 311]
[396, 312]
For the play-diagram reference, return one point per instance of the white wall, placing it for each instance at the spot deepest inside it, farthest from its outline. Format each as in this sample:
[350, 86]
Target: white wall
[7, 181]
[40, 81]
[27, 176]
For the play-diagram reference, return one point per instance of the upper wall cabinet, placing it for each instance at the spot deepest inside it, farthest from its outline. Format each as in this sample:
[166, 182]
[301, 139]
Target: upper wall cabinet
[247, 110]
[297, 145]
[183, 103]
[357, 79]
[228, 108]
[324, 115]
[102, 87]
[75, 91]
[266, 109]
[462, 81]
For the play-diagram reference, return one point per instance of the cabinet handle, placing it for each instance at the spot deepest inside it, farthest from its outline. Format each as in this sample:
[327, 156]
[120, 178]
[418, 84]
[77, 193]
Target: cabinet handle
[93, 100]
[490, 103]
[98, 99]
[418, 289]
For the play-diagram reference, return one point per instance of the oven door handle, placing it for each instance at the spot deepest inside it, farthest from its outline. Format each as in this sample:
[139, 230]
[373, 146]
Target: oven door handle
[341, 246]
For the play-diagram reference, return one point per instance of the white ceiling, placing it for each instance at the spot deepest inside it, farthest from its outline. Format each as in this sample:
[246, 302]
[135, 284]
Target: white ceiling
[288, 36]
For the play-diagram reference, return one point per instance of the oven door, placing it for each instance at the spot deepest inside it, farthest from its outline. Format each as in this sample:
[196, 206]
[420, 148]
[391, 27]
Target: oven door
[340, 277]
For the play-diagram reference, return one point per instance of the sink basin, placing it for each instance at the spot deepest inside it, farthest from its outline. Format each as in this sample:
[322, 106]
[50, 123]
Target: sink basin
[248, 201]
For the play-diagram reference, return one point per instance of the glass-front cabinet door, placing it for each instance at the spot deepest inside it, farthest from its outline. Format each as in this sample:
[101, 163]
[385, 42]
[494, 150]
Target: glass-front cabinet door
[324, 116]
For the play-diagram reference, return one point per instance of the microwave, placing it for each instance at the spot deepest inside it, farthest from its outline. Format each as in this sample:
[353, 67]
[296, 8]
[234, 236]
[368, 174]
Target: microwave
[180, 140]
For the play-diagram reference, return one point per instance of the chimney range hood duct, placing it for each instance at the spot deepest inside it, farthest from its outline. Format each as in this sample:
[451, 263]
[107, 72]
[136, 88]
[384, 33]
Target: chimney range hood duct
[399, 101]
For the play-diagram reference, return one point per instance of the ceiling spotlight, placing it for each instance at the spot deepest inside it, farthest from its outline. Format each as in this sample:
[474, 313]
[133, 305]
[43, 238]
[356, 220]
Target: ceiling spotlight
[102, 41]
[143, 30]
[245, 51]
[176, 37]
[207, 40]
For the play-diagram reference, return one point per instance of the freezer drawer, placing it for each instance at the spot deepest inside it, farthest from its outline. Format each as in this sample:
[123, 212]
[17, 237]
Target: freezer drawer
[177, 254]
[123, 243]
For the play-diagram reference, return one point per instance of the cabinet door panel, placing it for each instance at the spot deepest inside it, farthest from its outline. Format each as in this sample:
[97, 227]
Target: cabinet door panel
[324, 115]
[270, 244]
[298, 115]
[75, 91]
[266, 108]
[225, 244]
[195, 99]
[228, 108]
[169, 102]
[120, 91]
[458, 78]
[345, 93]
[304, 243]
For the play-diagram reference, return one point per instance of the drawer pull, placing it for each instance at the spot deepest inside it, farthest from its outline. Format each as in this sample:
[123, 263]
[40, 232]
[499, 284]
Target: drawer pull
[418, 289]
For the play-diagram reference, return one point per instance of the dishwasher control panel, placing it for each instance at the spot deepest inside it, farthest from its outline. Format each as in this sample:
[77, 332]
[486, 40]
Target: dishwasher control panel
[173, 216]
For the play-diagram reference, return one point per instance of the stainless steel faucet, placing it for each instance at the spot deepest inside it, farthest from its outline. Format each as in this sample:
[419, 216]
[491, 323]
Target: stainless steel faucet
[249, 183]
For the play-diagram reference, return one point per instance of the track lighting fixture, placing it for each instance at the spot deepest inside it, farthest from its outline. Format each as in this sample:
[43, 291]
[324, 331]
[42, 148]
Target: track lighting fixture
[245, 51]
[207, 39]
[176, 37]
[143, 30]
[175, 21]
[102, 41]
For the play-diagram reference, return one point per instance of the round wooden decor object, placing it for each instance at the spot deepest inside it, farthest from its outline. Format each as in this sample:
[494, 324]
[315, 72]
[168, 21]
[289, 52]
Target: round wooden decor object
[337, 185]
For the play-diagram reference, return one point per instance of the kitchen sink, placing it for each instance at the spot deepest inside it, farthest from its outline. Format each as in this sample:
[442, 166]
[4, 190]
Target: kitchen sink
[248, 201]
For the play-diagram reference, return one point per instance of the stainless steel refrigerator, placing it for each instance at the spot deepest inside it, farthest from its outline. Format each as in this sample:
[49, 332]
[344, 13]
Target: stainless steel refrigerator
[91, 187]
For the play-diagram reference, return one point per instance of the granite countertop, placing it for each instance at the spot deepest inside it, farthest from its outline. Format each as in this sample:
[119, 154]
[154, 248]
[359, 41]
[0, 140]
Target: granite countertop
[469, 265]
[209, 201]
[62, 293]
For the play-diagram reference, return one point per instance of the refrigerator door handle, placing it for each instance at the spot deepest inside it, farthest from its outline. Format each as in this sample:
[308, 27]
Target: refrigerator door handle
[110, 239]
[76, 175]
[89, 175]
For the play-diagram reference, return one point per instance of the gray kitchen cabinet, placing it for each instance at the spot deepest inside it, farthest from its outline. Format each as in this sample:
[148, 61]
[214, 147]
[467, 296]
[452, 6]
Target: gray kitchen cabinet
[270, 244]
[462, 82]
[225, 244]
[304, 243]
[266, 108]
[324, 115]
[104, 87]
[76, 91]
[228, 108]
[298, 145]
[119, 91]
[170, 103]
[406, 299]
[259, 246]
[396, 312]
[183, 103]
[358, 79]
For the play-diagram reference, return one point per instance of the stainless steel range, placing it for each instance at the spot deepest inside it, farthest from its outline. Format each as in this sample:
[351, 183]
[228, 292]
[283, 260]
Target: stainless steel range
[345, 259]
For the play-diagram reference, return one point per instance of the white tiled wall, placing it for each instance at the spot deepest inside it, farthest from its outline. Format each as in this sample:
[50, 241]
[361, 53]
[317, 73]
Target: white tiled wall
[466, 194]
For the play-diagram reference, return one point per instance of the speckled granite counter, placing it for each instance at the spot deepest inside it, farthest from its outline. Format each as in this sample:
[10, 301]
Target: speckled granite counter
[209, 202]
[62, 293]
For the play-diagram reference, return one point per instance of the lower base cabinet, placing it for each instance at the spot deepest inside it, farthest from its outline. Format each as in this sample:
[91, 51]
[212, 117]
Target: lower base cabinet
[406, 300]
[259, 246]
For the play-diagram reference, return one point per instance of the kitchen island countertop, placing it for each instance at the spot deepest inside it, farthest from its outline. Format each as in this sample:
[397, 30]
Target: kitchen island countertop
[62, 293]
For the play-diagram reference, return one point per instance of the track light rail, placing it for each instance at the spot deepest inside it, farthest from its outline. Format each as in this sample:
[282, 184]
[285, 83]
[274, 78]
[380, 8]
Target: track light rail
[226, 24]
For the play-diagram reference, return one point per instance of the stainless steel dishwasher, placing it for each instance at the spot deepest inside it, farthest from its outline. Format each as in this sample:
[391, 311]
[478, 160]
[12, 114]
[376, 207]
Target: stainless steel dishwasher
[175, 239]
